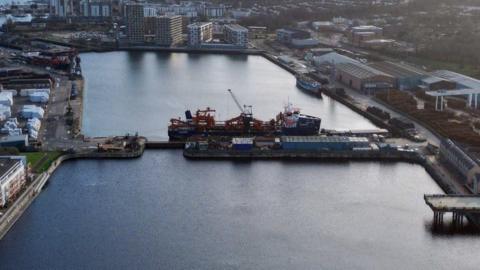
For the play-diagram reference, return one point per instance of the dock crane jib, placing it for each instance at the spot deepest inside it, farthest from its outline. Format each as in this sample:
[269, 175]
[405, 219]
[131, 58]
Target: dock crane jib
[245, 109]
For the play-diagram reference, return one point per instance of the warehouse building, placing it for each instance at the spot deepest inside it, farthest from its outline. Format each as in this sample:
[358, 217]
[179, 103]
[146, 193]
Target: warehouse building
[461, 81]
[12, 178]
[406, 77]
[363, 78]
[360, 34]
[286, 35]
[457, 158]
[432, 83]
[326, 63]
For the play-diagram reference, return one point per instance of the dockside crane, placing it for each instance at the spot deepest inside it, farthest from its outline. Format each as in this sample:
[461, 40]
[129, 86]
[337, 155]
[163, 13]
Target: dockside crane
[245, 110]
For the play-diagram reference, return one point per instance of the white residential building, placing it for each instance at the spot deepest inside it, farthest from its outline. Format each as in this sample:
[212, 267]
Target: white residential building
[12, 178]
[236, 35]
[199, 33]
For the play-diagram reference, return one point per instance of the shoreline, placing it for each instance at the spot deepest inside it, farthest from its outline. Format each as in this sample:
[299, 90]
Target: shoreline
[34, 189]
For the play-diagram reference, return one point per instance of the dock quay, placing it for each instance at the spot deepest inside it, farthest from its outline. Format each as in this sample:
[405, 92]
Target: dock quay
[162, 144]
[407, 156]
[461, 207]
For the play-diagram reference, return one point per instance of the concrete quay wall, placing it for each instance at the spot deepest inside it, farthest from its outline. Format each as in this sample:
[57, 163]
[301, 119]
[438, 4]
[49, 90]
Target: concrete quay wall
[307, 155]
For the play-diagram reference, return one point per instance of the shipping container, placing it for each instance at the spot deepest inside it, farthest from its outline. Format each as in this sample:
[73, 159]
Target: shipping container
[323, 143]
[243, 144]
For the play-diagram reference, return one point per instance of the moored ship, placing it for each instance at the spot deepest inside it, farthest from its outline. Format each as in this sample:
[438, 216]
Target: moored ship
[306, 83]
[203, 123]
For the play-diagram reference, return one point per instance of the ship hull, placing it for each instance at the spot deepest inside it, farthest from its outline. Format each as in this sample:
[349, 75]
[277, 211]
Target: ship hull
[310, 87]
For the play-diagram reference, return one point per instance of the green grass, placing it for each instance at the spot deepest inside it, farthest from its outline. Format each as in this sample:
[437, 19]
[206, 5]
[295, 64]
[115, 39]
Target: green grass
[41, 161]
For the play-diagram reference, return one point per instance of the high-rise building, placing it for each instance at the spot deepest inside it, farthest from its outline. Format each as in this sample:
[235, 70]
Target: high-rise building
[62, 8]
[236, 35]
[199, 33]
[96, 8]
[150, 29]
[135, 23]
[169, 30]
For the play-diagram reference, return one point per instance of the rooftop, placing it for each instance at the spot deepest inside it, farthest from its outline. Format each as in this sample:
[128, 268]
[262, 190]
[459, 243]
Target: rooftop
[6, 164]
[334, 58]
[461, 79]
[236, 27]
[398, 70]
[360, 70]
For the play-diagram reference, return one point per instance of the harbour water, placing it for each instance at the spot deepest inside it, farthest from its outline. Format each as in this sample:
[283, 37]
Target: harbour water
[164, 212]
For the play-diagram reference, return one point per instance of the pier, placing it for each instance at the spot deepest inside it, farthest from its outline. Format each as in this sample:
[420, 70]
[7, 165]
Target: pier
[460, 206]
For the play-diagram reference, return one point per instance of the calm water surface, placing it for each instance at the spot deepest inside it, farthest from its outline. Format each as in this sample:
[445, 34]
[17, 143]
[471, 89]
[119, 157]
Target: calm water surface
[130, 92]
[164, 212]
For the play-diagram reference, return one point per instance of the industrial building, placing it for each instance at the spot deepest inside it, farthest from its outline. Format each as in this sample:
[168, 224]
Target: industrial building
[360, 34]
[457, 158]
[12, 178]
[461, 81]
[406, 77]
[326, 63]
[135, 22]
[432, 83]
[199, 33]
[236, 35]
[296, 38]
[363, 78]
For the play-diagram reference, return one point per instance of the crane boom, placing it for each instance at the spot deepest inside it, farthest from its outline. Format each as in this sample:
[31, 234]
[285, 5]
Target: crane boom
[236, 101]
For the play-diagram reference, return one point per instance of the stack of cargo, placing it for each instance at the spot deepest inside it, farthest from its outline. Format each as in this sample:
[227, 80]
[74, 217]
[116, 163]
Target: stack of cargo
[74, 92]
[324, 143]
[32, 111]
[33, 126]
[27, 92]
[378, 112]
[5, 112]
[242, 144]
[11, 128]
[402, 124]
[6, 98]
[13, 91]
[39, 97]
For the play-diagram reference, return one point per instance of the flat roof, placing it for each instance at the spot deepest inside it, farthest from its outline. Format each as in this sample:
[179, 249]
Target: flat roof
[453, 203]
[236, 27]
[458, 92]
[360, 70]
[6, 164]
[464, 80]
[334, 58]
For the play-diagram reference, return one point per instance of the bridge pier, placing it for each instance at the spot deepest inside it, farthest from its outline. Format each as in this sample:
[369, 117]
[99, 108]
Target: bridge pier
[437, 218]
[457, 220]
